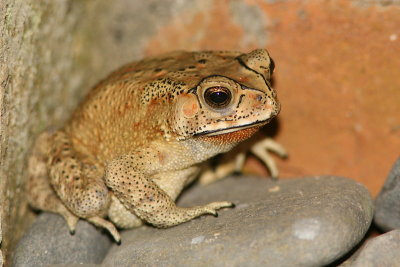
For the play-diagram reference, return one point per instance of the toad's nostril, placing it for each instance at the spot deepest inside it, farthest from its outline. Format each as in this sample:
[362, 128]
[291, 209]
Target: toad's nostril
[259, 97]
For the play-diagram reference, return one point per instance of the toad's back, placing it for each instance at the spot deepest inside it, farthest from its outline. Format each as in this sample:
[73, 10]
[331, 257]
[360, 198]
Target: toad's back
[132, 105]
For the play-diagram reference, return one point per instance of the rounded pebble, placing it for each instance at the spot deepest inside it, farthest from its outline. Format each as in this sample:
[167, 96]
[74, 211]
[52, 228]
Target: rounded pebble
[307, 222]
[379, 251]
[48, 241]
[387, 204]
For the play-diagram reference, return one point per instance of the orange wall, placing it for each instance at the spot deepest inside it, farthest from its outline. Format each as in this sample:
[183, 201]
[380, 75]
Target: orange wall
[337, 76]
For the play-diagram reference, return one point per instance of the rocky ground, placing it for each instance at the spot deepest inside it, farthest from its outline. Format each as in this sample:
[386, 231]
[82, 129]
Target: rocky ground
[312, 221]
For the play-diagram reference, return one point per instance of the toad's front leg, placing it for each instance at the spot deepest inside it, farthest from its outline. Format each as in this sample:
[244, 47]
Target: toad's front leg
[129, 178]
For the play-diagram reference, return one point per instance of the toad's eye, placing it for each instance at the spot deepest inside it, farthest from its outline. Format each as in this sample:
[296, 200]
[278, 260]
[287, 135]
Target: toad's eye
[218, 97]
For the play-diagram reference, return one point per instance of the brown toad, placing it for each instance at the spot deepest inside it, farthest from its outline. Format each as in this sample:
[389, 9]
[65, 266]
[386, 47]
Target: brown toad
[140, 135]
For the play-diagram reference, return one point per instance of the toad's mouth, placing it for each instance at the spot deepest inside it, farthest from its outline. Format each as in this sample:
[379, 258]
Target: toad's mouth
[233, 128]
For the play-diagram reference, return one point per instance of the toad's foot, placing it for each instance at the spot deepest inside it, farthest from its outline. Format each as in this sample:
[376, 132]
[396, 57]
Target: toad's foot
[212, 207]
[103, 223]
[260, 149]
[180, 215]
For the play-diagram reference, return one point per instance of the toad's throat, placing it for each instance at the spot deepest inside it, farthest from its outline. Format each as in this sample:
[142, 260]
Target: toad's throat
[233, 128]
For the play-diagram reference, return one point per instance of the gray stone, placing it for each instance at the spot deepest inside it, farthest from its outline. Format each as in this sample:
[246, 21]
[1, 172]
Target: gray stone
[379, 251]
[387, 204]
[48, 241]
[297, 222]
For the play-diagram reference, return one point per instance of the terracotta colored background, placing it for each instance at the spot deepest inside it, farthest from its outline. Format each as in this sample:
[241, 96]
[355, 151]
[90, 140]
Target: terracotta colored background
[337, 76]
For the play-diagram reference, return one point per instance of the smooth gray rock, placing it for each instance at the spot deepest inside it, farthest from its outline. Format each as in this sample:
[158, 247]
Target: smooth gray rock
[379, 251]
[48, 241]
[387, 204]
[297, 222]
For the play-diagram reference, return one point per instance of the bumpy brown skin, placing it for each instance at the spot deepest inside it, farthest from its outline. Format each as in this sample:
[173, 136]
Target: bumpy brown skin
[140, 135]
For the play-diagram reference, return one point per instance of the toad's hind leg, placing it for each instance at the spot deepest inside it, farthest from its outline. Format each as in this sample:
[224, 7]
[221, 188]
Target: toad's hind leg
[40, 194]
[77, 184]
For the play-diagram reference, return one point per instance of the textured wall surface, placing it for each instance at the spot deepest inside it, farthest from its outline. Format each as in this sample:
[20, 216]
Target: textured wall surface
[38, 86]
[337, 74]
[51, 52]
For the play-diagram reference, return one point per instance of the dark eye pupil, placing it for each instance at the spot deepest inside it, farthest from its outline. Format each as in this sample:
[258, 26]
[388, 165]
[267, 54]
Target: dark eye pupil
[218, 97]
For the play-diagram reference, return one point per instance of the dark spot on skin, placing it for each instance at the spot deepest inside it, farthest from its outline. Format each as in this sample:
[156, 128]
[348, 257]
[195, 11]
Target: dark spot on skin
[202, 61]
